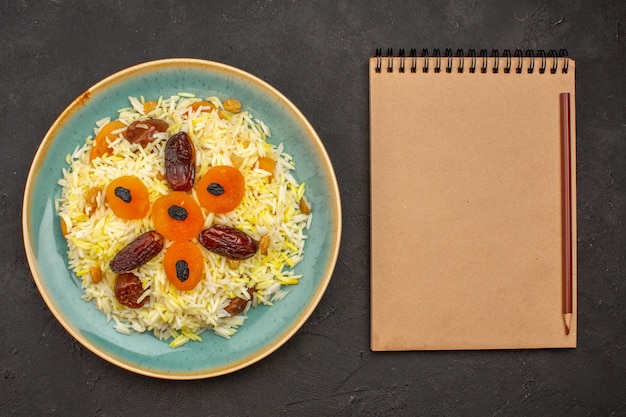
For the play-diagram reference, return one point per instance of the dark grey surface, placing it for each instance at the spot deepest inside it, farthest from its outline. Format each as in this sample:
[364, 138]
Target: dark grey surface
[316, 53]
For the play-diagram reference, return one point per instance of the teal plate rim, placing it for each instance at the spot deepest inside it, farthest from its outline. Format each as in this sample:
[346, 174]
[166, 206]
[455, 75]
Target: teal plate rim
[267, 328]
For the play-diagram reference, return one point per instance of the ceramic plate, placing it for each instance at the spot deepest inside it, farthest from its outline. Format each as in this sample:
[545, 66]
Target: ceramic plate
[267, 328]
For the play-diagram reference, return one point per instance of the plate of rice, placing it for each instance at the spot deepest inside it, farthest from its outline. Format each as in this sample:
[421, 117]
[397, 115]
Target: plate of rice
[182, 219]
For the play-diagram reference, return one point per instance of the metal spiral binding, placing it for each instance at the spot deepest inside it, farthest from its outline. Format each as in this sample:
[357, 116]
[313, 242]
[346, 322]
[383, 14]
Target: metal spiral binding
[511, 60]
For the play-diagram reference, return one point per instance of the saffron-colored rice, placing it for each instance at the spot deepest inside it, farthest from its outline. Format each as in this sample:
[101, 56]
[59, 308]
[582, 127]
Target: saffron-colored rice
[270, 207]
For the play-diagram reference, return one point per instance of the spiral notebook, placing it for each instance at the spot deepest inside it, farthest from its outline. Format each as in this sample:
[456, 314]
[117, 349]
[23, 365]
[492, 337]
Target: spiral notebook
[467, 200]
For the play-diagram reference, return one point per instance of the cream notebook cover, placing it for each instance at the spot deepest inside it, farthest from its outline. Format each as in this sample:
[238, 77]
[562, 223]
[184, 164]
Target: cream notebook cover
[467, 201]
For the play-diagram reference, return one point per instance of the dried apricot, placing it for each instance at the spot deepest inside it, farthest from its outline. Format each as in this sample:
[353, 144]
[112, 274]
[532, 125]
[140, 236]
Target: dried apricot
[100, 146]
[221, 189]
[177, 216]
[184, 265]
[128, 197]
[148, 106]
[267, 164]
[204, 106]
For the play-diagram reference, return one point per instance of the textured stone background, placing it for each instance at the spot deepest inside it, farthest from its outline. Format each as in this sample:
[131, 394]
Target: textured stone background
[316, 53]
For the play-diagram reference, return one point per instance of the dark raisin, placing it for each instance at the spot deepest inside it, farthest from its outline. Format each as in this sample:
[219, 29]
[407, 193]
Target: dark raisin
[128, 290]
[236, 306]
[143, 131]
[177, 212]
[123, 194]
[182, 270]
[215, 189]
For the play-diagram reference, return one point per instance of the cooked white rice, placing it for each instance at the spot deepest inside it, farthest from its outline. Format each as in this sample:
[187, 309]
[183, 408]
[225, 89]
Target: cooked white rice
[268, 208]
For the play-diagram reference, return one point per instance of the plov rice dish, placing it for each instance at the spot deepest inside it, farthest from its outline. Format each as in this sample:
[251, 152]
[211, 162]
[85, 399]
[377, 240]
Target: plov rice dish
[179, 216]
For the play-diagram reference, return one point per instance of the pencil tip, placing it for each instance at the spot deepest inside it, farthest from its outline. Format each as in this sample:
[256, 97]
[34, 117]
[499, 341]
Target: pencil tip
[568, 321]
